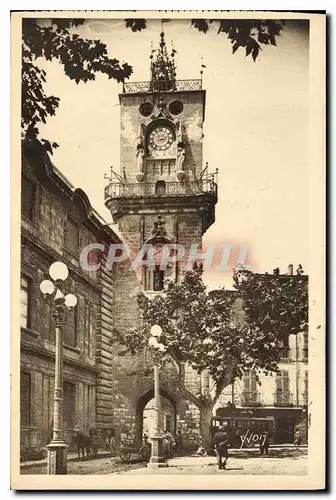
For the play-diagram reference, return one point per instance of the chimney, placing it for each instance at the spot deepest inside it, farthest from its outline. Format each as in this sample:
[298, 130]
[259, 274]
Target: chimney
[276, 271]
[290, 269]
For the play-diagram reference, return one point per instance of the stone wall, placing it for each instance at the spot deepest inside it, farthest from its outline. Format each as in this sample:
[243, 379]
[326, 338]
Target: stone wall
[85, 351]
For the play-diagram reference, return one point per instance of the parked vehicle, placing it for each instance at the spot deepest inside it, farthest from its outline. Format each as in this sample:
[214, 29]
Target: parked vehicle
[244, 432]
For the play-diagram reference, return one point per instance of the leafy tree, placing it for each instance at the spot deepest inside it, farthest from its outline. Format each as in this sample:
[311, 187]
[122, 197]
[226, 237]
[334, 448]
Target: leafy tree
[249, 34]
[82, 59]
[274, 306]
[221, 334]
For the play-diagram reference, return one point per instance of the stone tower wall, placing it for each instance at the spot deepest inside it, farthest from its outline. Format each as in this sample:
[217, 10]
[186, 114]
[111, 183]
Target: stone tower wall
[130, 119]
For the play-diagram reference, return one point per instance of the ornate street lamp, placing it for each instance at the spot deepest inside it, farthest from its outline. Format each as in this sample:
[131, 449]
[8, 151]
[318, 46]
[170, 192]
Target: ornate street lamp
[57, 449]
[157, 457]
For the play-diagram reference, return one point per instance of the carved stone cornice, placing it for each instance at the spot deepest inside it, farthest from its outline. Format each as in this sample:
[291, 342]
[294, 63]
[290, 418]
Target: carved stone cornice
[28, 347]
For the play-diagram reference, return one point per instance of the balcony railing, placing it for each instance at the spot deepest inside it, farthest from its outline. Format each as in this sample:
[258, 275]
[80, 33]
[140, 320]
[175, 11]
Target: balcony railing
[161, 86]
[159, 189]
[251, 398]
[283, 398]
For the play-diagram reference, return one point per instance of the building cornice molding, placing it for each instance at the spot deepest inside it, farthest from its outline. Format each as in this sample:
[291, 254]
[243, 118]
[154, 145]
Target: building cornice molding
[51, 254]
[27, 347]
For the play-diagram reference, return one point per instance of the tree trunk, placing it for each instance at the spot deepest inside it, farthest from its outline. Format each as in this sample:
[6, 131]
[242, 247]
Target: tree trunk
[205, 424]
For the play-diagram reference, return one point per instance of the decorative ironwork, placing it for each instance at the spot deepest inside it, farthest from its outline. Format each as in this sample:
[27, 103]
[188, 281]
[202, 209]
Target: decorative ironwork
[163, 69]
[283, 398]
[179, 86]
[251, 398]
[169, 189]
[163, 74]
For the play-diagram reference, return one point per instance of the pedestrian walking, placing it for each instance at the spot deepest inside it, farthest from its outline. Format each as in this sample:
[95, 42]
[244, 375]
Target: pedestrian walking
[264, 443]
[179, 443]
[220, 443]
[174, 444]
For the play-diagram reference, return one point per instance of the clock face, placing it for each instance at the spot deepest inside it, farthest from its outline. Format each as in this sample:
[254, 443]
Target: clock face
[161, 138]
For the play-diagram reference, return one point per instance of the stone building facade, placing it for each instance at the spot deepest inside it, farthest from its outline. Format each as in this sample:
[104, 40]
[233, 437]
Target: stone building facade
[57, 223]
[282, 396]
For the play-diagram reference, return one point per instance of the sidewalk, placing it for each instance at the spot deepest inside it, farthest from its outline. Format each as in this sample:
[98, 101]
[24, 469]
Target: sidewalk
[71, 457]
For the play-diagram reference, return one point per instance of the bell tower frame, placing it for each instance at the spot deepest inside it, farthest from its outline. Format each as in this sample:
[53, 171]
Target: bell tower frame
[163, 181]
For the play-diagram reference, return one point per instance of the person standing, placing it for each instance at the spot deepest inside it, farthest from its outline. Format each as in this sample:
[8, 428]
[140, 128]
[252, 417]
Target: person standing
[179, 443]
[167, 444]
[220, 443]
[264, 443]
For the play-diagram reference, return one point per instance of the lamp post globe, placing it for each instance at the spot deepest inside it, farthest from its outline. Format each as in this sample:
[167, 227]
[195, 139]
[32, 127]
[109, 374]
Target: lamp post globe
[58, 271]
[156, 331]
[70, 300]
[47, 287]
[153, 342]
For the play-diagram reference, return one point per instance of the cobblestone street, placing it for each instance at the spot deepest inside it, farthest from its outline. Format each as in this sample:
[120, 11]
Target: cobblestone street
[279, 462]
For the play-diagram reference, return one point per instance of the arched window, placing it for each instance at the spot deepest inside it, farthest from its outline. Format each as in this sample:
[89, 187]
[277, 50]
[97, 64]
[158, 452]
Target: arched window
[160, 188]
[154, 279]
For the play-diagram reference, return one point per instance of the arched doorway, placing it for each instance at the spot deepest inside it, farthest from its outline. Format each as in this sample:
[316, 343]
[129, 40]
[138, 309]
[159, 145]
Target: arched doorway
[145, 414]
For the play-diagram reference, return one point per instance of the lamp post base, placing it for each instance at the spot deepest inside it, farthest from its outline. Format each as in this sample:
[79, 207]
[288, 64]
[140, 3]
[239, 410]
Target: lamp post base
[157, 459]
[57, 458]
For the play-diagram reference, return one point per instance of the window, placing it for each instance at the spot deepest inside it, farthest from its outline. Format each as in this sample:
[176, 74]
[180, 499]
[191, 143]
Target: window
[306, 381]
[146, 109]
[89, 313]
[70, 328]
[25, 293]
[176, 107]
[250, 389]
[168, 423]
[72, 236]
[28, 196]
[283, 395]
[160, 187]
[69, 405]
[305, 345]
[25, 399]
[154, 279]
[285, 348]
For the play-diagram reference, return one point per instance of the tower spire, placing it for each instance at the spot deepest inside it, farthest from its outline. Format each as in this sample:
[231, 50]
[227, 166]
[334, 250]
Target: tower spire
[162, 67]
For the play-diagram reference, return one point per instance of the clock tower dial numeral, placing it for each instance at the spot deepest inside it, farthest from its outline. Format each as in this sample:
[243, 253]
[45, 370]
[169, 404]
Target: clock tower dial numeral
[161, 138]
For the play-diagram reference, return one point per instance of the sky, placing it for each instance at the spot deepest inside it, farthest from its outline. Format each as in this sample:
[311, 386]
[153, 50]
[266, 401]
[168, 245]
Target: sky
[255, 133]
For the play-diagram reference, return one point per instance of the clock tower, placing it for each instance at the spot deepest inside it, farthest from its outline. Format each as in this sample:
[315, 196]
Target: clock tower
[164, 192]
